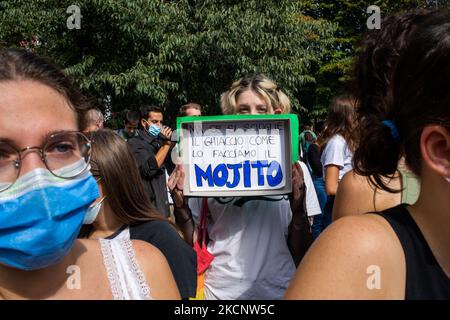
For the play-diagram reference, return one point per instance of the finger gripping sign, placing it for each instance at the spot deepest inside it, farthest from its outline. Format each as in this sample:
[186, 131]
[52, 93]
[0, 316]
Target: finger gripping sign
[238, 155]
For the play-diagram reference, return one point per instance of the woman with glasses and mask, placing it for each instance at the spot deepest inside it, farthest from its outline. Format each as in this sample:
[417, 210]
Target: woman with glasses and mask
[45, 191]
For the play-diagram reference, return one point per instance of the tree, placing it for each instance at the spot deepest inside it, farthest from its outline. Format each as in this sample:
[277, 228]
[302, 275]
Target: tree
[129, 53]
[350, 16]
[125, 54]
[237, 38]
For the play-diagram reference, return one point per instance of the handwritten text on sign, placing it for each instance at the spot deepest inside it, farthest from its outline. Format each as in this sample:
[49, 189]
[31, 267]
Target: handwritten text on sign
[236, 155]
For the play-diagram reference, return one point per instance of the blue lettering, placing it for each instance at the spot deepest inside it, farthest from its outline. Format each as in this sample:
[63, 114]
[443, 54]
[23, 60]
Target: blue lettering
[221, 173]
[199, 174]
[220, 180]
[259, 165]
[274, 181]
[236, 174]
[247, 177]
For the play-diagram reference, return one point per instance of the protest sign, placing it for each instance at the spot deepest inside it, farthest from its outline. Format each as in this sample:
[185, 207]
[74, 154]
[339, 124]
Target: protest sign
[241, 155]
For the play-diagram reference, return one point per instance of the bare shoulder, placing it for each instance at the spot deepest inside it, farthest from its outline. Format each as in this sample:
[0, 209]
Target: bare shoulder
[156, 270]
[366, 235]
[357, 195]
[356, 182]
[340, 263]
[145, 249]
[354, 196]
[370, 229]
[149, 257]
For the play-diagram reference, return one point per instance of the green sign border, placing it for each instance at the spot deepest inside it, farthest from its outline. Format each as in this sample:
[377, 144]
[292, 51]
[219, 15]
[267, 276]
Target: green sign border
[292, 117]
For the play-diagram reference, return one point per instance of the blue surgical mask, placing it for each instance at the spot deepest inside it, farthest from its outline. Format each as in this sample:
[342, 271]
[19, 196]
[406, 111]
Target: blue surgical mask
[92, 212]
[41, 216]
[154, 130]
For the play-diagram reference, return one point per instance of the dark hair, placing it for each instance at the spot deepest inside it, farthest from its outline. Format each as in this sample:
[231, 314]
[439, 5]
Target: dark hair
[309, 137]
[19, 64]
[374, 72]
[378, 56]
[190, 105]
[340, 120]
[145, 110]
[113, 162]
[419, 97]
[132, 116]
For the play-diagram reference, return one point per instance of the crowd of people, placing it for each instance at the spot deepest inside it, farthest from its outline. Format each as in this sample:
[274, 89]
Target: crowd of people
[370, 189]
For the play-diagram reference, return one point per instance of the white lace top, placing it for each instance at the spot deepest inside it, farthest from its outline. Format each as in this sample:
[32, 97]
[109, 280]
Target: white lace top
[125, 277]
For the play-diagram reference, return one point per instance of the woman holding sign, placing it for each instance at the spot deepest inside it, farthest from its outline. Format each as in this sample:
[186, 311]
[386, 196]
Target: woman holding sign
[256, 241]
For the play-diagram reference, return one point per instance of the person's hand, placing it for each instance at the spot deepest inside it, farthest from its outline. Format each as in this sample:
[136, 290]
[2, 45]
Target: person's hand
[175, 185]
[298, 189]
[167, 132]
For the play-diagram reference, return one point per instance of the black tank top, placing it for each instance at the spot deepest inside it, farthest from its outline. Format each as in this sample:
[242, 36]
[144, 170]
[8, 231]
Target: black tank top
[425, 279]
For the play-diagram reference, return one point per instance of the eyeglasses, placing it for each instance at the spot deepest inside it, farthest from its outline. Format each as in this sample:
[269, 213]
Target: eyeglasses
[65, 154]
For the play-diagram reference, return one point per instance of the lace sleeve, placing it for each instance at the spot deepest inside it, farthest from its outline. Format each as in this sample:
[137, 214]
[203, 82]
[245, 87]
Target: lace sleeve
[125, 277]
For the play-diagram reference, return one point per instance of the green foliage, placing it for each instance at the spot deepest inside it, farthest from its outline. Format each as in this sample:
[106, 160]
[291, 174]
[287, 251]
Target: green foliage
[351, 17]
[134, 52]
[129, 53]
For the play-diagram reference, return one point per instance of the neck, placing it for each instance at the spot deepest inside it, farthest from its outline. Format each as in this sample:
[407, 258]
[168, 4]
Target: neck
[106, 223]
[432, 214]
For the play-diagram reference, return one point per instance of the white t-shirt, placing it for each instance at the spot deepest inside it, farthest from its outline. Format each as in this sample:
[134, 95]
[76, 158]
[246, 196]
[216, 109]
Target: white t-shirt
[248, 238]
[337, 153]
[169, 196]
[312, 202]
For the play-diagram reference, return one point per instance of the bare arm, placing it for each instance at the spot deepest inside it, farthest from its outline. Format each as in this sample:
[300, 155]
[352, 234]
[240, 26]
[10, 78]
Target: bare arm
[353, 197]
[347, 261]
[183, 215]
[299, 234]
[157, 271]
[331, 179]
[161, 155]
[356, 195]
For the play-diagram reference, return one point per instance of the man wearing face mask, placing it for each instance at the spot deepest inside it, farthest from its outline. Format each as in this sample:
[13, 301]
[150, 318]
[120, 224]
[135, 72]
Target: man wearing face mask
[150, 148]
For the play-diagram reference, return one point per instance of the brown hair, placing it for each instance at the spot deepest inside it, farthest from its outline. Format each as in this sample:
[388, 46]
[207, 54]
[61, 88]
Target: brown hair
[190, 105]
[121, 183]
[420, 97]
[340, 120]
[19, 64]
[373, 79]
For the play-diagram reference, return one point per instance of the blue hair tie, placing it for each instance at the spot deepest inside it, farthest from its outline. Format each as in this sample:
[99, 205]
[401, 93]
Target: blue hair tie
[393, 128]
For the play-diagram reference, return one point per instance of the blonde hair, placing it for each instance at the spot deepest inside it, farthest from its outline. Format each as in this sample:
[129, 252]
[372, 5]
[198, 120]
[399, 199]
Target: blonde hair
[261, 85]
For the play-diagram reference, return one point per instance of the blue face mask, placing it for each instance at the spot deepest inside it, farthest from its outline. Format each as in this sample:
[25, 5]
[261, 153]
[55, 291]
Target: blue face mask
[154, 130]
[40, 217]
[92, 212]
